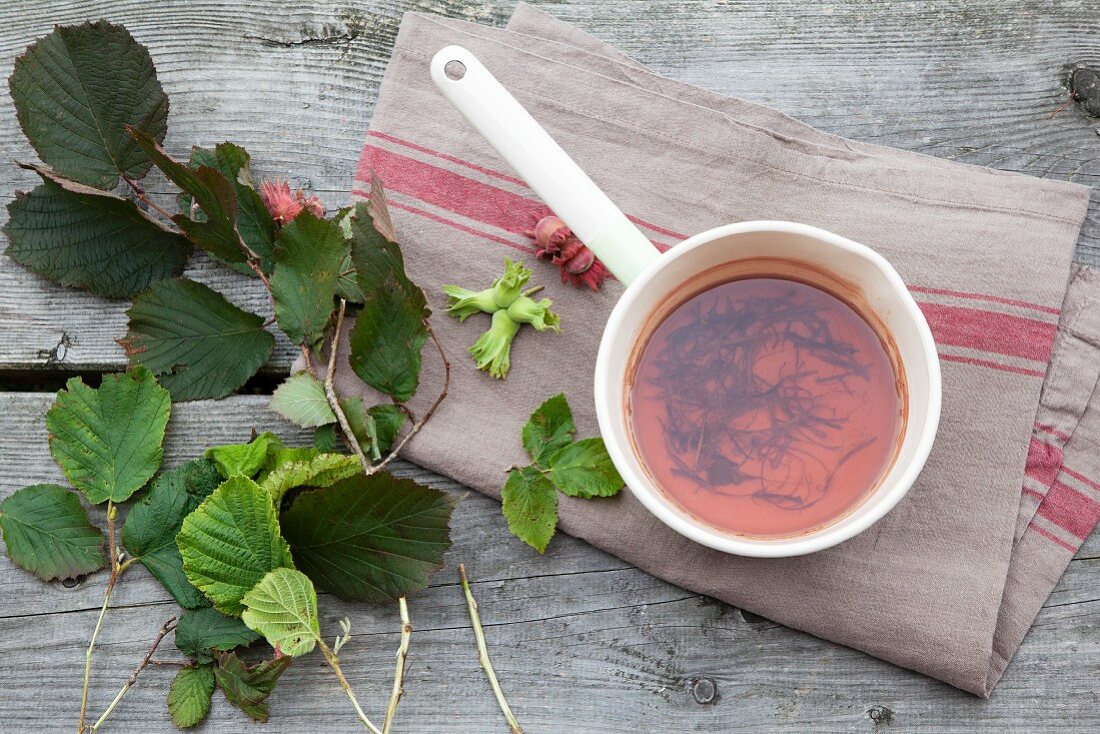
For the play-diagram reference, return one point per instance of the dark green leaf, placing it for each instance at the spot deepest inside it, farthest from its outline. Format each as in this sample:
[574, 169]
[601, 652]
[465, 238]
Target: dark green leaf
[245, 459]
[247, 687]
[231, 541]
[550, 428]
[47, 533]
[369, 538]
[390, 330]
[80, 236]
[108, 440]
[309, 253]
[254, 222]
[584, 469]
[212, 191]
[149, 533]
[75, 91]
[388, 420]
[375, 428]
[530, 505]
[324, 438]
[189, 695]
[199, 344]
[202, 633]
[347, 285]
[301, 400]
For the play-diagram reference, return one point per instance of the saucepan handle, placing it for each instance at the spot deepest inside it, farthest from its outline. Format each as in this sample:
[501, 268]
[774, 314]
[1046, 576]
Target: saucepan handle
[541, 162]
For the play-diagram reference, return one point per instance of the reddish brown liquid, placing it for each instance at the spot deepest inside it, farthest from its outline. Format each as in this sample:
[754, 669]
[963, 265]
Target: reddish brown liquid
[765, 407]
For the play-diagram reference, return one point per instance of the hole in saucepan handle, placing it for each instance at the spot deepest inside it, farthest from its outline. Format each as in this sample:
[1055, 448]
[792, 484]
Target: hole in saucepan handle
[454, 70]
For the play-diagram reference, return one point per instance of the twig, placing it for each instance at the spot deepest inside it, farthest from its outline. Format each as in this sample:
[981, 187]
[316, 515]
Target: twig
[416, 426]
[307, 358]
[330, 391]
[140, 193]
[117, 567]
[1072, 96]
[483, 654]
[334, 663]
[399, 674]
[164, 630]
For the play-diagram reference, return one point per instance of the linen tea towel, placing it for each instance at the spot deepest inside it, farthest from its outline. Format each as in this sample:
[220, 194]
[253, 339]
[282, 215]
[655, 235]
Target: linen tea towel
[950, 580]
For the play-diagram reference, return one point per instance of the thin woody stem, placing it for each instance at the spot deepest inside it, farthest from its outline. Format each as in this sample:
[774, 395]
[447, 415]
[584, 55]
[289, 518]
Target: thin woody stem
[330, 390]
[334, 663]
[417, 425]
[117, 567]
[141, 195]
[399, 674]
[483, 654]
[164, 630]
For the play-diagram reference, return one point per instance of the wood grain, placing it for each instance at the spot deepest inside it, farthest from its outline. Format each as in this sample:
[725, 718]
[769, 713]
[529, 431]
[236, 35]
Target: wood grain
[980, 82]
[581, 641]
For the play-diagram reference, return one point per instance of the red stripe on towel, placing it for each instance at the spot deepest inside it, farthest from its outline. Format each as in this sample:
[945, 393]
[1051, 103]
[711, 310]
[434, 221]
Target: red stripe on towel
[984, 297]
[1081, 478]
[448, 190]
[990, 331]
[505, 177]
[1070, 510]
[460, 227]
[1052, 431]
[991, 365]
[451, 158]
[1043, 462]
[1052, 537]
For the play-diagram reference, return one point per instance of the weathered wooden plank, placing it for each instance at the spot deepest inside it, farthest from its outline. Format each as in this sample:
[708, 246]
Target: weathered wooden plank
[296, 85]
[582, 641]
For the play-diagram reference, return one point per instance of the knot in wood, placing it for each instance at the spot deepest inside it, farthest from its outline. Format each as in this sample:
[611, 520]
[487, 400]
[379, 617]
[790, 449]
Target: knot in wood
[1084, 85]
[880, 715]
[704, 690]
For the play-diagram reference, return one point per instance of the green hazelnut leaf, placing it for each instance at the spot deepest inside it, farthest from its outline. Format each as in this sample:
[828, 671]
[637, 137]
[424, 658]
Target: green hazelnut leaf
[245, 459]
[324, 438]
[231, 541]
[149, 533]
[309, 253]
[530, 505]
[47, 532]
[216, 232]
[254, 222]
[388, 420]
[189, 695]
[369, 538]
[203, 633]
[375, 428]
[108, 440]
[390, 329]
[301, 400]
[80, 236]
[247, 687]
[322, 470]
[197, 343]
[549, 429]
[283, 608]
[584, 469]
[76, 89]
